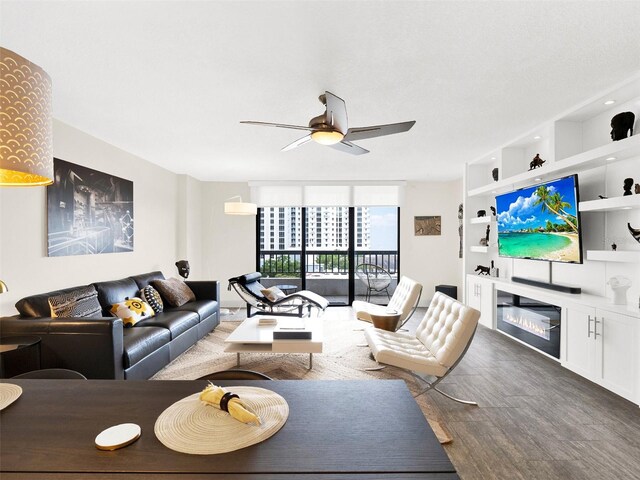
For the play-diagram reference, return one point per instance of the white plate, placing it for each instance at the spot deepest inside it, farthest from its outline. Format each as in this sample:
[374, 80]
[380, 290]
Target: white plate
[9, 393]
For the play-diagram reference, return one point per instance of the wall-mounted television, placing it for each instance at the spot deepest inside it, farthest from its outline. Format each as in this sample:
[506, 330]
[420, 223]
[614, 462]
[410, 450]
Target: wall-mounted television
[541, 222]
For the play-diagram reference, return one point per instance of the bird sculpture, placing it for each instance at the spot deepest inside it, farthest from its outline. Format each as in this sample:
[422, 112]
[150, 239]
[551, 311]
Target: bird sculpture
[635, 232]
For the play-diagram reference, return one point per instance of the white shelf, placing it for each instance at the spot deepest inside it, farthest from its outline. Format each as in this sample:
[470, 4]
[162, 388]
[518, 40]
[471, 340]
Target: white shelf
[621, 150]
[479, 249]
[615, 203]
[614, 256]
[487, 219]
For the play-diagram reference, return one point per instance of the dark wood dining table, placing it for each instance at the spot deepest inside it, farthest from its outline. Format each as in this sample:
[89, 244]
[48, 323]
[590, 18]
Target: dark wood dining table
[336, 430]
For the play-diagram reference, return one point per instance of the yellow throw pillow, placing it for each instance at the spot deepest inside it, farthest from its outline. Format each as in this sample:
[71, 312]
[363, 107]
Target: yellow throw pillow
[131, 311]
[273, 294]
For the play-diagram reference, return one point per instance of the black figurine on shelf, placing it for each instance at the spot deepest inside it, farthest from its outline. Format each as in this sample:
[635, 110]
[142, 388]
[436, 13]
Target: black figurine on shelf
[628, 183]
[484, 242]
[494, 174]
[493, 211]
[635, 232]
[536, 162]
[621, 125]
[614, 247]
[183, 268]
[482, 270]
[481, 213]
[637, 188]
[602, 197]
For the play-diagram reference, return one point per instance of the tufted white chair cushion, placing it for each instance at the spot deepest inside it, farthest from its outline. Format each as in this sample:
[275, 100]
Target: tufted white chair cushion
[440, 339]
[403, 300]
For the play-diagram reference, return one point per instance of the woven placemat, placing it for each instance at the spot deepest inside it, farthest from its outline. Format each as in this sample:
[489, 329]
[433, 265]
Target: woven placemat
[190, 426]
[9, 393]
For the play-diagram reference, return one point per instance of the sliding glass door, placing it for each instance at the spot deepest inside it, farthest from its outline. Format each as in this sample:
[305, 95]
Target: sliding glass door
[341, 253]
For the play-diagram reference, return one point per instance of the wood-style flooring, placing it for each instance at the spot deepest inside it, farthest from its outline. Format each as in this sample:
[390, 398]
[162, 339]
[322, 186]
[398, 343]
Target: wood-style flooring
[535, 419]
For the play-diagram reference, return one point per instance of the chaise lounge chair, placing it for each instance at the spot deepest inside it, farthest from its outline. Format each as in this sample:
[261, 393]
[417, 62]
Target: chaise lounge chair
[250, 290]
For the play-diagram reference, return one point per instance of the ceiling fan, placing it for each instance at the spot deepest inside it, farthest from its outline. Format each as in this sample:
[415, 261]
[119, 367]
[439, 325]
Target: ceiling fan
[331, 128]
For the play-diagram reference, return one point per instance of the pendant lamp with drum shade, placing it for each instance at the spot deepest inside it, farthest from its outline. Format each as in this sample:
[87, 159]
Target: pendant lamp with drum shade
[238, 207]
[26, 128]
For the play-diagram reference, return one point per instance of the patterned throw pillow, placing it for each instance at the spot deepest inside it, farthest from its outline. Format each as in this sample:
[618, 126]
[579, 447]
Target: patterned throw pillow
[174, 292]
[82, 302]
[273, 294]
[152, 297]
[131, 311]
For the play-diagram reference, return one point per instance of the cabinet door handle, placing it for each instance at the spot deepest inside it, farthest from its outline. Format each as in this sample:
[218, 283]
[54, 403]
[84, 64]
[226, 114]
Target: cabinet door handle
[595, 327]
[589, 332]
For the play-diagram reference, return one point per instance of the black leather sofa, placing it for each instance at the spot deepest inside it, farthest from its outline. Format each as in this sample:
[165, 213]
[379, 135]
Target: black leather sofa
[101, 347]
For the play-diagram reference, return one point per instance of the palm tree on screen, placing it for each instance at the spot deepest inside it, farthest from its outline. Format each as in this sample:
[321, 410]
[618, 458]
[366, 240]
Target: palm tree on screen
[555, 204]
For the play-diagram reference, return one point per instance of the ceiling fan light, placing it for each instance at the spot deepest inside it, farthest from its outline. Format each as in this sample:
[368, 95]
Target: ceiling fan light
[327, 137]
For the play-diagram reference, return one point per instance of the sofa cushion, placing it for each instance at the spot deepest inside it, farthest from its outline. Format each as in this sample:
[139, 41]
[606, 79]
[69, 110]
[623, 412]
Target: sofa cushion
[173, 291]
[152, 297]
[204, 308]
[145, 279]
[132, 310]
[140, 342]
[82, 302]
[115, 291]
[176, 322]
[38, 305]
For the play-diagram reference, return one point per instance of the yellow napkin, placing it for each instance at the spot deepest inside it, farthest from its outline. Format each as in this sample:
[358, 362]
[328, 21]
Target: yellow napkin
[212, 395]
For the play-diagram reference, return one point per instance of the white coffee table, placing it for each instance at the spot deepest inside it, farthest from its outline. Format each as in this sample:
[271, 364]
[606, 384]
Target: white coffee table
[250, 337]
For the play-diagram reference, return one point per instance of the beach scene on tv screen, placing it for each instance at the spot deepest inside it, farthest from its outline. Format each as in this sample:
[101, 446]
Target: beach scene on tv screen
[540, 222]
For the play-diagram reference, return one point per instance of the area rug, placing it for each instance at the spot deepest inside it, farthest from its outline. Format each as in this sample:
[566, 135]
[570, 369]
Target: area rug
[342, 359]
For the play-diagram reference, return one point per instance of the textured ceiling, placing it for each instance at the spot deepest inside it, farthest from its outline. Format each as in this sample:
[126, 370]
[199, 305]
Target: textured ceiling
[169, 81]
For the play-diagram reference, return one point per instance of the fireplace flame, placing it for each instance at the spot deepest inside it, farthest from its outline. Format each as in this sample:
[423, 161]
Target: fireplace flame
[527, 324]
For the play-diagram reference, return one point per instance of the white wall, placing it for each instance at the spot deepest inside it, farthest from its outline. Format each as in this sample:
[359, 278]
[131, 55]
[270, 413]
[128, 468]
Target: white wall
[190, 232]
[24, 264]
[229, 241]
[431, 260]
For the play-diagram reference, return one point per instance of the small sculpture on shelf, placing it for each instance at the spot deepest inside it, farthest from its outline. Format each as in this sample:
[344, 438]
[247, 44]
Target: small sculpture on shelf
[484, 242]
[621, 125]
[536, 162]
[614, 247]
[482, 270]
[628, 183]
[619, 285]
[481, 213]
[635, 232]
[493, 210]
[602, 197]
[637, 188]
[494, 174]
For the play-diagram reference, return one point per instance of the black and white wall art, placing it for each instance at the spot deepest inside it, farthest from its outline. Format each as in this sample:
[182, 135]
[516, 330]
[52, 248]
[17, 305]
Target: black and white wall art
[89, 212]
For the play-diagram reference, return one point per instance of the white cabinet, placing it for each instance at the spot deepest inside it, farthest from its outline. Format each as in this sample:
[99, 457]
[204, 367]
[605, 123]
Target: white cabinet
[480, 296]
[602, 346]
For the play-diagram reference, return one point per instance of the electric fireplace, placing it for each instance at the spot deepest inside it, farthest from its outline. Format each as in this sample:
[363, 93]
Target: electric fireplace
[530, 321]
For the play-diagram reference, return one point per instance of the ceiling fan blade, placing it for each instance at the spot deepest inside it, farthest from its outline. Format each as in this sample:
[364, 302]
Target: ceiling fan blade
[297, 143]
[280, 125]
[349, 147]
[337, 112]
[360, 133]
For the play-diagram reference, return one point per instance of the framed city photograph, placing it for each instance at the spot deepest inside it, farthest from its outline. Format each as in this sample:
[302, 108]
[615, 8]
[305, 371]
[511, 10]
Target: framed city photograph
[88, 212]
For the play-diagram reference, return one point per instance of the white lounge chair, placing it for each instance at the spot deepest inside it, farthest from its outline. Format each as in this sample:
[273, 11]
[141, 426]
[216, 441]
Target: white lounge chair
[441, 340]
[404, 300]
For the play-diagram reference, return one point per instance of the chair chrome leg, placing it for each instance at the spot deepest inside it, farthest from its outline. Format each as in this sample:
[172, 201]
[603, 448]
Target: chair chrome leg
[466, 402]
[375, 369]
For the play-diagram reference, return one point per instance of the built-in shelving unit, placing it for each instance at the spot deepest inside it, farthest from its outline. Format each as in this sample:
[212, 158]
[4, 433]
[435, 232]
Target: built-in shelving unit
[613, 256]
[478, 249]
[481, 220]
[628, 202]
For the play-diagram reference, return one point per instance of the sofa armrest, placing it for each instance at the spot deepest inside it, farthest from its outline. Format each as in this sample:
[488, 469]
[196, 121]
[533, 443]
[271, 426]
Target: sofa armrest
[91, 346]
[205, 289]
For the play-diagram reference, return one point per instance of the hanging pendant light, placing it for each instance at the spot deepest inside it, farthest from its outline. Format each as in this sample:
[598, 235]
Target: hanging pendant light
[26, 138]
[239, 207]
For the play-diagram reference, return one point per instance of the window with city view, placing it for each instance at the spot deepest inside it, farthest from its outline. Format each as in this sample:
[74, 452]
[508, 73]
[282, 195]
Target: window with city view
[310, 247]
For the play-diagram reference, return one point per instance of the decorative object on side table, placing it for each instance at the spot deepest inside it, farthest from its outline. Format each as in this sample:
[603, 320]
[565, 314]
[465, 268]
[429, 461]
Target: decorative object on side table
[635, 232]
[536, 162]
[619, 285]
[494, 174]
[183, 268]
[481, 213]
[621, 125]
[628, 183]
[482, 270]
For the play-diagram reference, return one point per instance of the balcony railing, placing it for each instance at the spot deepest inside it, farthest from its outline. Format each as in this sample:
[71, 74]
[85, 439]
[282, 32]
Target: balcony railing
[286, 263]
